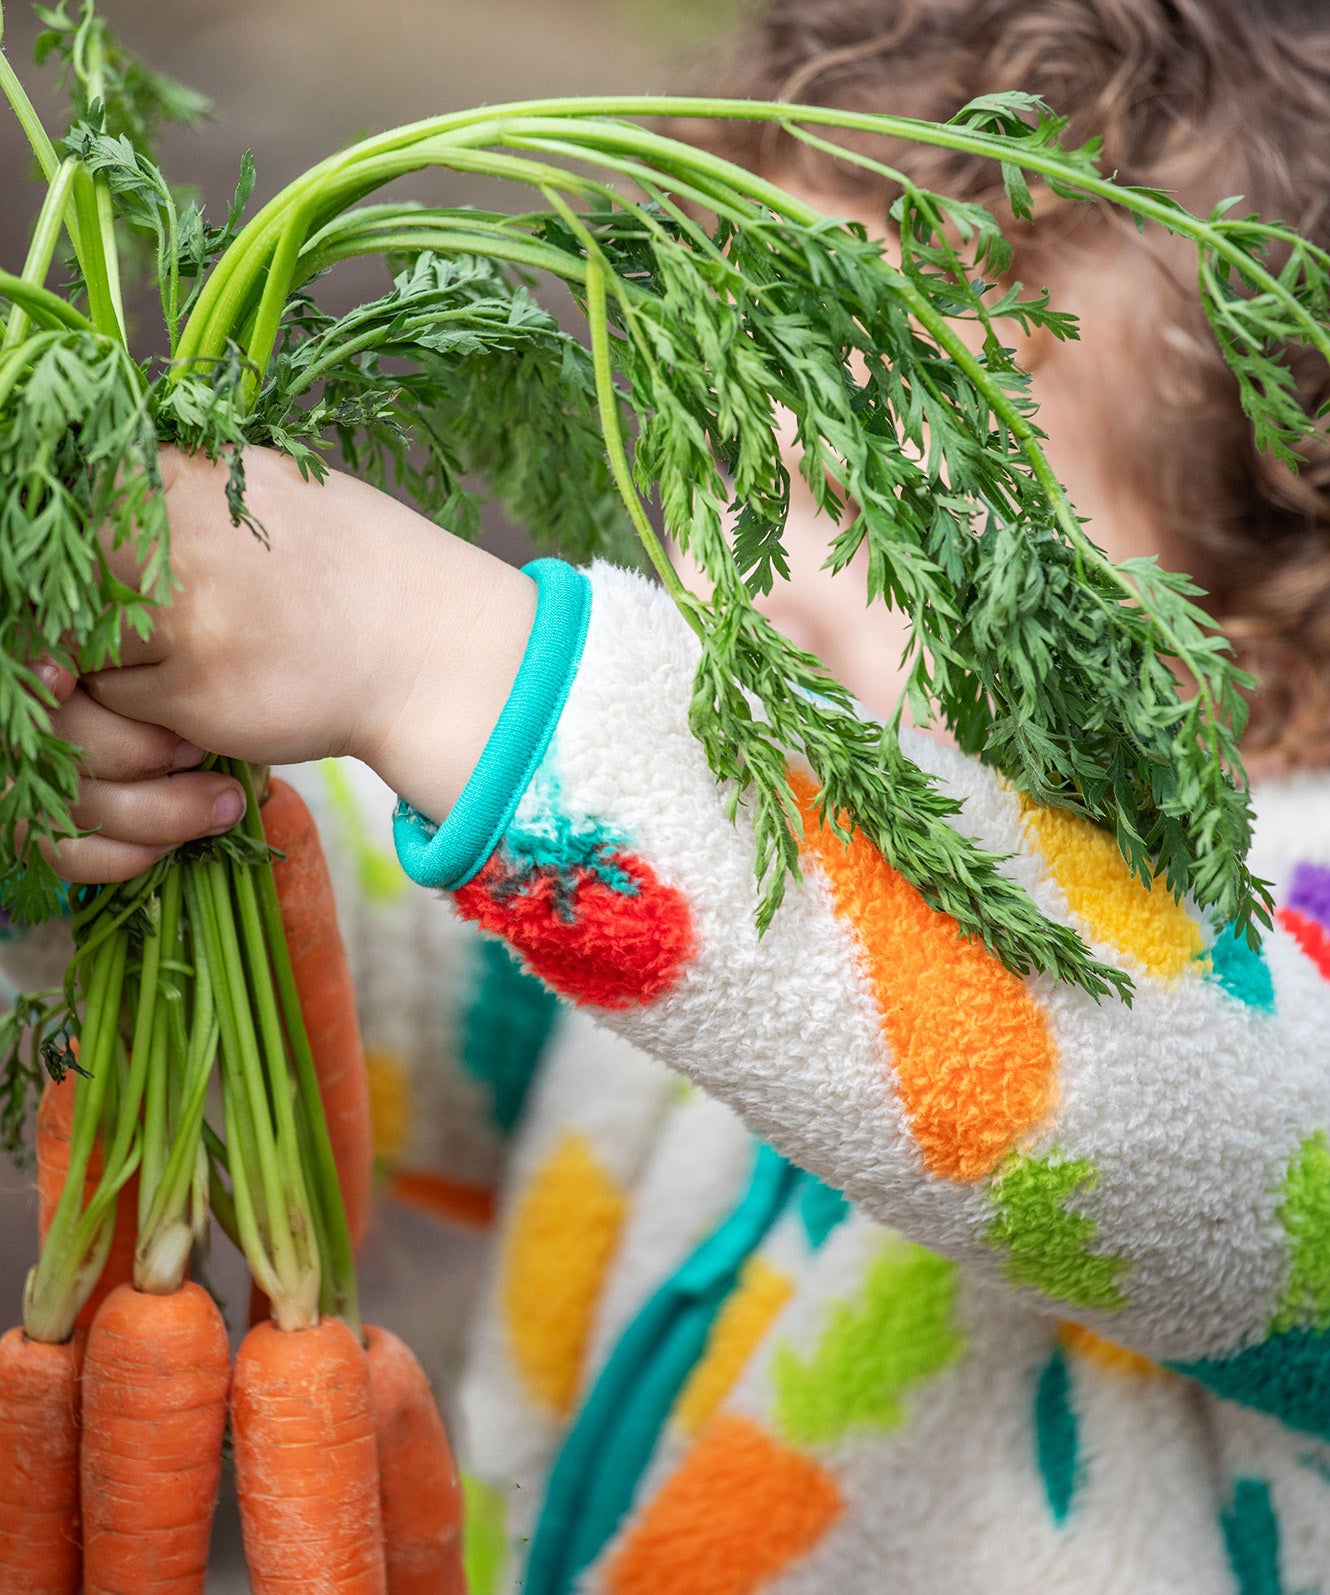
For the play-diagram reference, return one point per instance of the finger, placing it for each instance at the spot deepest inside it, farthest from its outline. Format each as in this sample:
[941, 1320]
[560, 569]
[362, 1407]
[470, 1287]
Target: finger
[160, 813]
[125, 564]
[136, 650]
[121, 558]
[193, 480]
[132, 691]
[117, 749]
[97, 860]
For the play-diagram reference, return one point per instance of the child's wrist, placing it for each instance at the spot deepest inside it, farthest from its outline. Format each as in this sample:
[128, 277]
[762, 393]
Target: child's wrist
[447, 854]
[455, 651]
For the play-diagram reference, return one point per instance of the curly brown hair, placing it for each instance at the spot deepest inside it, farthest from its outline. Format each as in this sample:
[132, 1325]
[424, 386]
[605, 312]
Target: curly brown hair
[1206, 98]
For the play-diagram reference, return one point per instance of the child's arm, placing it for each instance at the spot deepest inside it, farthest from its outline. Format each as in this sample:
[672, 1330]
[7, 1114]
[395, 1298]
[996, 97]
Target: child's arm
[1160, 1172]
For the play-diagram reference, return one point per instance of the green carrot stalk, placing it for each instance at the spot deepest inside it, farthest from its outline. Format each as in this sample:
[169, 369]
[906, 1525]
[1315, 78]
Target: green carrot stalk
[272, 1208]
[161, 1034]
[45, 235]
[337, 1273]
[166, 1229]
[70, 1262]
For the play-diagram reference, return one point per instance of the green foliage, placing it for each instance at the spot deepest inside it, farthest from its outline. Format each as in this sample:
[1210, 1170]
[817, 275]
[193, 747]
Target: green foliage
[30, 1030]
[100, 75]
[1253, 324]
[148, 207]
[77, 452]
[497, 400]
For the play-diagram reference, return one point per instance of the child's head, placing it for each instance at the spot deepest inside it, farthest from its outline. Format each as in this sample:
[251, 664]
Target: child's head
[1206, 98]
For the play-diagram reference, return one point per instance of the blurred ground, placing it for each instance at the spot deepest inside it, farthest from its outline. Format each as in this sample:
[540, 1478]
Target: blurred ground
[293, 80]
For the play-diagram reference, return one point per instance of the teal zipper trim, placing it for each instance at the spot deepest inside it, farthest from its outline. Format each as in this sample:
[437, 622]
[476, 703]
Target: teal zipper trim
[592, 1483]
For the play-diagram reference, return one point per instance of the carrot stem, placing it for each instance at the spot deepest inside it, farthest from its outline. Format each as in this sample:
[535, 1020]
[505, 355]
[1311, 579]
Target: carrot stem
[248, 1232]
[303, 1214]
[160, 1238]
[233, 1007]
[58, 1285]
[271, 1212]
[167, 1003]
[339, 1295]
[220, 1199]
[45, 236]
[272, 306]
[140, 1046]
[265, 1009]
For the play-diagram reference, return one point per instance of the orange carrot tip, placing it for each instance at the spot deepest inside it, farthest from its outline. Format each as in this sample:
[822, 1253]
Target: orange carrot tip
[418, 1483]
[39, 1465]
[306, 1458]
[155, 1381]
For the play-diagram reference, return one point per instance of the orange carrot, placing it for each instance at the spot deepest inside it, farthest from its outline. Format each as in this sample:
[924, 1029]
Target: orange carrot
[327, 997]
[441, 1197]
[55, 1119]
[418, 1484]
[307, 1471]
[39, 1472]
[155, 1380]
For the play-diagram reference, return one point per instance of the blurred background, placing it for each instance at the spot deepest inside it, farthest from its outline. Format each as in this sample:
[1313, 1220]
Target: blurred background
[293, 80]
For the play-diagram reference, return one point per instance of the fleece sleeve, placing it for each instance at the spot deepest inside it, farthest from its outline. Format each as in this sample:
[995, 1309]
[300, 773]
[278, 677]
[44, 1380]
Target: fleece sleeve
[1159, 1173]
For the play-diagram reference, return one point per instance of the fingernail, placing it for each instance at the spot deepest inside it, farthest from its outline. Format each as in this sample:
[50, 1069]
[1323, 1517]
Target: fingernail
[48, 674]
[228, 808]
[186, 756]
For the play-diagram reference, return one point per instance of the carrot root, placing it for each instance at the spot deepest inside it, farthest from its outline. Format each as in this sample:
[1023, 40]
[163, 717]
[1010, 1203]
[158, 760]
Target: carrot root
[418, 1483]
[327, 996]
[306, 1462]
[440, 1197]
[40, 1549]
[155, 1382]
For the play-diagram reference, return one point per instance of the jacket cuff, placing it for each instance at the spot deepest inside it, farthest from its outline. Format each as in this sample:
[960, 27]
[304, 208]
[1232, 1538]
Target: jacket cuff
[444, 857]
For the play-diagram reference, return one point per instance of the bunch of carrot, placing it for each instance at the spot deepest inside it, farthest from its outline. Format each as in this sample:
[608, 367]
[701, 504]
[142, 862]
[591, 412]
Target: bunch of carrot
[115, 1392]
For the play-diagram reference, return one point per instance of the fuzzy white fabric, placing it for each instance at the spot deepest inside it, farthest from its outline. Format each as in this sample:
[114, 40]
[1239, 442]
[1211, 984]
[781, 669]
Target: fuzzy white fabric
[1190, 1106]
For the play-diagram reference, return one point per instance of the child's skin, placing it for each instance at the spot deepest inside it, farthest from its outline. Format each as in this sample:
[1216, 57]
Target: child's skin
[364, 630]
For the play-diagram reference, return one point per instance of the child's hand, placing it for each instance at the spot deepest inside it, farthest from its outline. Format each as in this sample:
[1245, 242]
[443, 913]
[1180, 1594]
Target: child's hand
[131, 794]
[362, 629]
